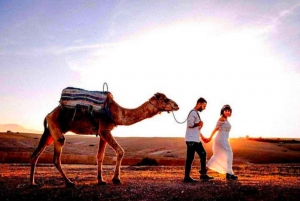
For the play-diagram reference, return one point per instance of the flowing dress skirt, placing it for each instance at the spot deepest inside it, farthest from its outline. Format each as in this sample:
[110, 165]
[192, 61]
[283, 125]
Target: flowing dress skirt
[222, 158]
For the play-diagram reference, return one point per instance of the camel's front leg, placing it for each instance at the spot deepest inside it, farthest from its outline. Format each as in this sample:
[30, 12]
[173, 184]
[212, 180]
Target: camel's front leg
[100, 156]
[119, 152]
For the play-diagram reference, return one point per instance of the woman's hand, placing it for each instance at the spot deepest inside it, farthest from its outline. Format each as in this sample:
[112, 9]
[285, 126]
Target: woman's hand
[204, 139]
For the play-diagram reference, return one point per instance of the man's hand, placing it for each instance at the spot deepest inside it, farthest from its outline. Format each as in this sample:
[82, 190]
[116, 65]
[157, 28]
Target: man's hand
[204, 139]
[208, 140]
[200, 125]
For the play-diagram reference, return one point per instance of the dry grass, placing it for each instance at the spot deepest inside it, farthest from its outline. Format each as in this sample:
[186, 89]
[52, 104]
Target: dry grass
[256, 182]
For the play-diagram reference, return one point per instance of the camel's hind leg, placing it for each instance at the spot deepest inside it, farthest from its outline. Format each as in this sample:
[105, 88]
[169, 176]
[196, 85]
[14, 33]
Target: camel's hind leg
[59, 142]
[100, 156]
[119, 152]
[57, 161]
[45, 141]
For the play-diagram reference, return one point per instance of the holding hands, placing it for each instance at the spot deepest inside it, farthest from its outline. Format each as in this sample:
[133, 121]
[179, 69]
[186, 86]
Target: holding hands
[204, 139]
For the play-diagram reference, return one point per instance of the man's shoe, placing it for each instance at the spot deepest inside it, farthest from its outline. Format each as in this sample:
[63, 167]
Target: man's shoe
[189, 180]
[205, 177]
[231, 177]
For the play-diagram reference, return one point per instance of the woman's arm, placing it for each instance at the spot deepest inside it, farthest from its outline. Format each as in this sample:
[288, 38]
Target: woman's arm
[222, 119]
[212, 134]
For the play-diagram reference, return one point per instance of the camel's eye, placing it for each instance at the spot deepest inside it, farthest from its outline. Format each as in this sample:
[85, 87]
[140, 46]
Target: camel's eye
[166, 100]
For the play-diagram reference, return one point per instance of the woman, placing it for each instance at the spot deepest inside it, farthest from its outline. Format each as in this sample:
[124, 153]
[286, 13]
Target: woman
[221, 161]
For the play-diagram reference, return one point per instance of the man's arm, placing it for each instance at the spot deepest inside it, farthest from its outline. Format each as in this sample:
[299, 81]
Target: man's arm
[191, 121]
[200, 124]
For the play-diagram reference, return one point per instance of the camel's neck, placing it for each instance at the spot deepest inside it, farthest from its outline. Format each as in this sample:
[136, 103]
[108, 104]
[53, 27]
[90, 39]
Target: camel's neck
[123, 116]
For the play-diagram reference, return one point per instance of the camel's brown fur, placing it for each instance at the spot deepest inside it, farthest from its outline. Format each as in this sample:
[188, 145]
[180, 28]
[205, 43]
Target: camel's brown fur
[61, 120]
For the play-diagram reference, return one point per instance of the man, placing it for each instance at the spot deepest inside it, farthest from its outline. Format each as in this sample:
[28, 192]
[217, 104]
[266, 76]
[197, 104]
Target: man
[193, 143]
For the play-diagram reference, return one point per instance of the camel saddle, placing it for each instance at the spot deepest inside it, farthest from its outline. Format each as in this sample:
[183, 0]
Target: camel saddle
[92, 100]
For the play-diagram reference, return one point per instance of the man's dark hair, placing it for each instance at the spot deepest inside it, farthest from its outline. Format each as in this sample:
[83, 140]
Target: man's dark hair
[201, 100]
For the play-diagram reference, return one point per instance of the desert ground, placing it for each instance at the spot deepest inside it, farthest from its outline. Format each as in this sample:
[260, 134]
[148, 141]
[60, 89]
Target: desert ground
[267, 171]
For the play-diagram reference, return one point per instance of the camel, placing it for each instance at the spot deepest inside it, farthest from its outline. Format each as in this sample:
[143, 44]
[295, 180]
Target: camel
[60, 121]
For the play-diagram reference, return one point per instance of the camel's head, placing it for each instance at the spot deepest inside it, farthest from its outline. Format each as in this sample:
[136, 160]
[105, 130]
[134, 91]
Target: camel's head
[163, 103]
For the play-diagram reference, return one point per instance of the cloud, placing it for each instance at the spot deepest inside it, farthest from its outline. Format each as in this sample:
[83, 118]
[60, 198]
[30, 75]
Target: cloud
[292, 10]
[77, 48]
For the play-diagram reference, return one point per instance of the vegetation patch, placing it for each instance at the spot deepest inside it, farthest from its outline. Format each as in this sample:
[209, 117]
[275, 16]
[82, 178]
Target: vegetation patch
[147, 162]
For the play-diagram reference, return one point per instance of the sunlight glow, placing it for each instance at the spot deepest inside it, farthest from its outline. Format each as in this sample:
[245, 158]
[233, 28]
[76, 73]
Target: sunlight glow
[235, 59]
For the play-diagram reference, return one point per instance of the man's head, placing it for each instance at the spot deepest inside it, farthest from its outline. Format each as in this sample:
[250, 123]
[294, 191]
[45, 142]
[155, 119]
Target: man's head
[201, 104]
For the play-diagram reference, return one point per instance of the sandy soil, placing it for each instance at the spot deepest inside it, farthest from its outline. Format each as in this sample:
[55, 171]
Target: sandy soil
[256, 182]
[267, 171]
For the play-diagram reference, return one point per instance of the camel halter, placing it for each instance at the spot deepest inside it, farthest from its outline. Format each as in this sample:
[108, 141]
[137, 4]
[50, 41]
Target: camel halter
[154, 106]
[171, 111]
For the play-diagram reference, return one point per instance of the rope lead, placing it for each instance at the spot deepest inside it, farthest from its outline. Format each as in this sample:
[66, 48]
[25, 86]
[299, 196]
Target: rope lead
[176, 119]
[186, 118]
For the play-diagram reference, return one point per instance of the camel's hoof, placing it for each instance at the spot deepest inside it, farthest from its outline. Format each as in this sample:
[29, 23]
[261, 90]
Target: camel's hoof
[116, 181]
[101, 183]
[70, 184]
[33, 185]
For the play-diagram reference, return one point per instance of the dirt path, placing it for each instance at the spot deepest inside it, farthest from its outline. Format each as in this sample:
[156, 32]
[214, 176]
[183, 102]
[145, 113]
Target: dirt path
[256, 182]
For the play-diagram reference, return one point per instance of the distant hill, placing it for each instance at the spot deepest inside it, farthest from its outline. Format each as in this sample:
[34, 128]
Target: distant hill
[16, 128]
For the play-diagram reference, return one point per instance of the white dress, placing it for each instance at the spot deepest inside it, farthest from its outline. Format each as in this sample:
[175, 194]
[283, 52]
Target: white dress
[221, 161]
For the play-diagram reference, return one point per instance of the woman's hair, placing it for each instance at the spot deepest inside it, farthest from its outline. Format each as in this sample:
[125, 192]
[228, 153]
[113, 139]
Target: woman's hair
[225, 107]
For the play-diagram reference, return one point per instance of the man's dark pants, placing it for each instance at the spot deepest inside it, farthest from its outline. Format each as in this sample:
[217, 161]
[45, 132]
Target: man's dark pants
[193, 147]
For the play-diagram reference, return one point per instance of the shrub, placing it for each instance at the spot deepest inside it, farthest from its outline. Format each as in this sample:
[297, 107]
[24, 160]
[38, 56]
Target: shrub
[147, 162]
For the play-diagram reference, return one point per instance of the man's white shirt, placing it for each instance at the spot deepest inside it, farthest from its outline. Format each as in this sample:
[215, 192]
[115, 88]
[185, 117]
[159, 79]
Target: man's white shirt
[192, 134]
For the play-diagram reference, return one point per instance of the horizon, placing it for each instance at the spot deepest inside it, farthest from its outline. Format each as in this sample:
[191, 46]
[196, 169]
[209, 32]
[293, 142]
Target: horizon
[154, 136]
[242, 54]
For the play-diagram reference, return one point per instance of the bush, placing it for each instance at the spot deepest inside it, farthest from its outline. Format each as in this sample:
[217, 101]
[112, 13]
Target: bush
[147, 162]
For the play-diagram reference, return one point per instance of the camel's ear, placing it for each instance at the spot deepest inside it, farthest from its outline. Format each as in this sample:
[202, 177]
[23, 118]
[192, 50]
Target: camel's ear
[157, 95]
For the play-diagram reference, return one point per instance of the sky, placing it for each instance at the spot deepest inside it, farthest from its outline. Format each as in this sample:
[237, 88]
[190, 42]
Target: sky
[242, 53]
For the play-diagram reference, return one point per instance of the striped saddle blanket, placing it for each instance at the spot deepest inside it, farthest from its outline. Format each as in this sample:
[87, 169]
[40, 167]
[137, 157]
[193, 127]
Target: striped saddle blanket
[73, 97]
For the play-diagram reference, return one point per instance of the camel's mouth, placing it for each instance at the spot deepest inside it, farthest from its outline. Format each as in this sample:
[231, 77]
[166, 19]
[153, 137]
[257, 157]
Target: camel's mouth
[171, 108]
[175, 109]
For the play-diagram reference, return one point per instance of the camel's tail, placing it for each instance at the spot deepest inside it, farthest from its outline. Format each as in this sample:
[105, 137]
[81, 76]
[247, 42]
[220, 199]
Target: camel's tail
[45, 125]
[46, 135]
[45, 140]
